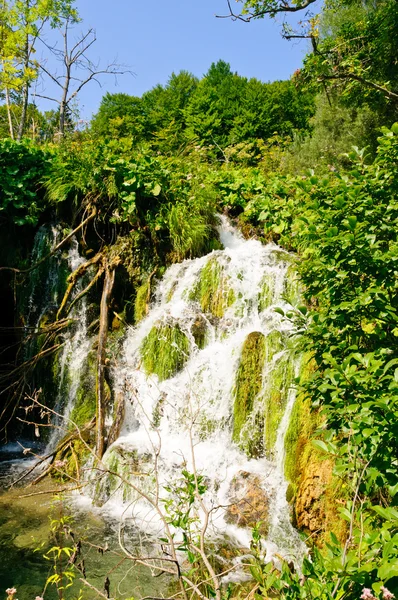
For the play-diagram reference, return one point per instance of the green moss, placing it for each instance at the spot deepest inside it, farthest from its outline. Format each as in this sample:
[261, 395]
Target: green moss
[301, 425]
[292, 286]
[140, 304]
[67, 463]
[273, 344]
[85, 401]
[171, 291]
[279, 382]
[313, 491]
[165, 350]
[213, 290]
[123, 466]
[249, 379]
[266, 294]
[157, 412]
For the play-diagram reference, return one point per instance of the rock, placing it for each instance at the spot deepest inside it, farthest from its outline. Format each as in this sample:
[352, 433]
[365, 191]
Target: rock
[310, 506]
[249, 502]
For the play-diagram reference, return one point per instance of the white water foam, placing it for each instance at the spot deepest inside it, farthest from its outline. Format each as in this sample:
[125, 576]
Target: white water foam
[195, 407]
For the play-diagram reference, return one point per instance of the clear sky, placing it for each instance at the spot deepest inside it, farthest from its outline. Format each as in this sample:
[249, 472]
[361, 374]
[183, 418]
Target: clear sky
[158, 37]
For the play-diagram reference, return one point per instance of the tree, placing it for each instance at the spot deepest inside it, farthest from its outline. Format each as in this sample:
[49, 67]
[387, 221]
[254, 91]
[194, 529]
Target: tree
[164, 109]
[119, 115]
[214, 105]
[355, 51]
[74, 58]
[23, 24]
[354, 44]
[257, 9]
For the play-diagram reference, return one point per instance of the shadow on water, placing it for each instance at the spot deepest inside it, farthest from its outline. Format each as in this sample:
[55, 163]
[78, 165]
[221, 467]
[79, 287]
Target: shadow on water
[25, 537]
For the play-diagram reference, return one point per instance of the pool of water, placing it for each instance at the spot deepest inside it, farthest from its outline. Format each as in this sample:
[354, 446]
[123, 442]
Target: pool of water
[25, 537]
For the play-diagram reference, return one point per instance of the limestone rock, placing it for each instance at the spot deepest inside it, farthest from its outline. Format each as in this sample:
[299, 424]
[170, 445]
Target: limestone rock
[310, 508]
[249, 502]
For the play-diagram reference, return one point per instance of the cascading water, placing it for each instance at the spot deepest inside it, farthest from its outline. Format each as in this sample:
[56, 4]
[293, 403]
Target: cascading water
[73, 355]
[207, 380]
[45, 290]
[44, 282]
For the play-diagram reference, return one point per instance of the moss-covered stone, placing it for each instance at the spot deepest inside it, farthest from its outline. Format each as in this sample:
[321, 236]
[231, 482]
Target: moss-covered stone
[313, 491]
[249, 379]
[125, 469]
[273, 344]
[276, 393]
[266, 294]
[213, 290]
[84, 407]
[141, 302]
[165, 350]
[292, 286]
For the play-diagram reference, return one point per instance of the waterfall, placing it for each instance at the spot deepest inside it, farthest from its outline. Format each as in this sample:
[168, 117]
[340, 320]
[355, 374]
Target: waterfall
[207, 379]
[45, 290]
[73, 356]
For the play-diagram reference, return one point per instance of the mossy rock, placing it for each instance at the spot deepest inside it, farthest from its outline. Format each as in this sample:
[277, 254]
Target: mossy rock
[292, 291]
[67, 464]
[313, 490]
[276, 393]
[249, 380]
[273, 344]
[165, 350]
[84, 407]
[122, 467]
[141, 302]
[266, 294]
[302, 423]
[213, 290]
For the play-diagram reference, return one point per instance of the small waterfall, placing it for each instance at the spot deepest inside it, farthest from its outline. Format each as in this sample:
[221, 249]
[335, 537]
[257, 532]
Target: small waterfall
[44, 286]
[73, 356]
[191, 399]
[60, 378]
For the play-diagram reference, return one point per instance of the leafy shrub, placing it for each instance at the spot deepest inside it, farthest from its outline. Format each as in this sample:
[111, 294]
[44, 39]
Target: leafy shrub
[22, 167]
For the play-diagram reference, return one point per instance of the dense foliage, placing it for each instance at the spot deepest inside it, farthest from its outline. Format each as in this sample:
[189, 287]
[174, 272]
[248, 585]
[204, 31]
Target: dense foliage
[22, 168]
[220, 110]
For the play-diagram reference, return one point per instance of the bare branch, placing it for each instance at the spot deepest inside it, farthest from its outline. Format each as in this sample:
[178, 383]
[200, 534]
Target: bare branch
[353, 77]
[53, 77]
[282, 7]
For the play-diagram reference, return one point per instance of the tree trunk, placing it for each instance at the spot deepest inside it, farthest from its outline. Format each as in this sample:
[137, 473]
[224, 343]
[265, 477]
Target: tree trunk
[9, 115]
[102, 337]
[25, 94]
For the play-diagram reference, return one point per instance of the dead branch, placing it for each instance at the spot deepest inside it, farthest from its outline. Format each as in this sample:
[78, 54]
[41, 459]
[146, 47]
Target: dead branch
[97, 276]
[73, 60]
[73, 277]
[282, 7]
[351, 76]
[85, 582]
[102, 337]
[65, 442]
[52, 492]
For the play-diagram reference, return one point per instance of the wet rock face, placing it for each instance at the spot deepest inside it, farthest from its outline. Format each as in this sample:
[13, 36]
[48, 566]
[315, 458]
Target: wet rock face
[249, 502]
[310, 506]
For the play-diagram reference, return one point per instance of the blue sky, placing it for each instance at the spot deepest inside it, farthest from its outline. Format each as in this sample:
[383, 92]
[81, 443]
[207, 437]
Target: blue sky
[158, 37]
